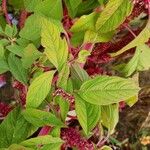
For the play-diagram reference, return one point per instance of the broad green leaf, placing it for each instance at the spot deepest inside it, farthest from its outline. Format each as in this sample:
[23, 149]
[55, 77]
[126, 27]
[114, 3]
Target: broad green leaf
[30, 54]
[16, 49]
[82, 56]
[88, 114]
[50, 8]
[72, 6]
[86, 22]
[110, 116]
[78, 75]
[17, 4]
[41, 118]
[33, 23]
[42, 140]
[14, 129]
[55, 146]
[138, 41]
[56, 48]
[18, 147]
[31, 5]
[113, 15]
[16, 68]
[77, 39]
[39, 89]
[95, 37]
[3, 66]
[105, 90]
[9, 31]
[139, 62]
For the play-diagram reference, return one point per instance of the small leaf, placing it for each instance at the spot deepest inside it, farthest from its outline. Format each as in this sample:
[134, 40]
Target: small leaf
[41, 118]
[39, 89]
[16, 49]
[16, 68]
[132, 100]
[105, 90]
[78, 75]
[95, 37]
[106, 148]
[14, 129]
[56, 47]
[82, 56]
[87, 114]
[113, 15]
[110, 117]
[139, 62]
[86, 22]
[41, 140]
[3, 66]
[30, 54]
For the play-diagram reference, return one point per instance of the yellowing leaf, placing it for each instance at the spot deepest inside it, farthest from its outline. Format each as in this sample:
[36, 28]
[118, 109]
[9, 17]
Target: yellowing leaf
[139, 62]
[87, 114]
[56, 48]
[110, 117]
[113, 15]
[82, 56]
[39, 89]
[105, 90]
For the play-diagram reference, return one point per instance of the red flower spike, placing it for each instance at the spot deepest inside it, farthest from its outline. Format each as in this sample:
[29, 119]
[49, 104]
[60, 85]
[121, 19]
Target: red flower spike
[72, 138]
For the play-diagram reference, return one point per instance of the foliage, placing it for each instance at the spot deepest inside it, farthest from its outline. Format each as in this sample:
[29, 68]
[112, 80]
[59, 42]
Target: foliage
[60, 63]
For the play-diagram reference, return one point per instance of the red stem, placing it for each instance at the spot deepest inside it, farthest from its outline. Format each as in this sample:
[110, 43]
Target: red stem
[4, 8]
[23, 17]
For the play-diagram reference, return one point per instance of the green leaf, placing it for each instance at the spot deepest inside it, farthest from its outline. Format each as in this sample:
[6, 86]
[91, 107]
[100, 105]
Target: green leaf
[110, 117]
[139, 62]
[16, 49]
[82, 56]
[33, 23]
[50, 8]
[31, 5]
[132, 100]
[18, 147]
[41, 118]
[55, 146]
[138, 41]
[30, 54]
[41, 140]
[56, 47]
[87, 7]
[16, 4]
[39, 89]
[14, 129]
[86, 22]
[16, 68]
[87, 114]
[2, 52]
[105, 90]
[78, 75]
[3, 66]
[63, 77]
[113, 15]
[94, 37]
[72, 6]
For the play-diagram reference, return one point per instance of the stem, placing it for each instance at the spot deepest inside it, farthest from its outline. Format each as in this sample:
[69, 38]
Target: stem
[4, 8]
[23, 17]
[129, 29]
